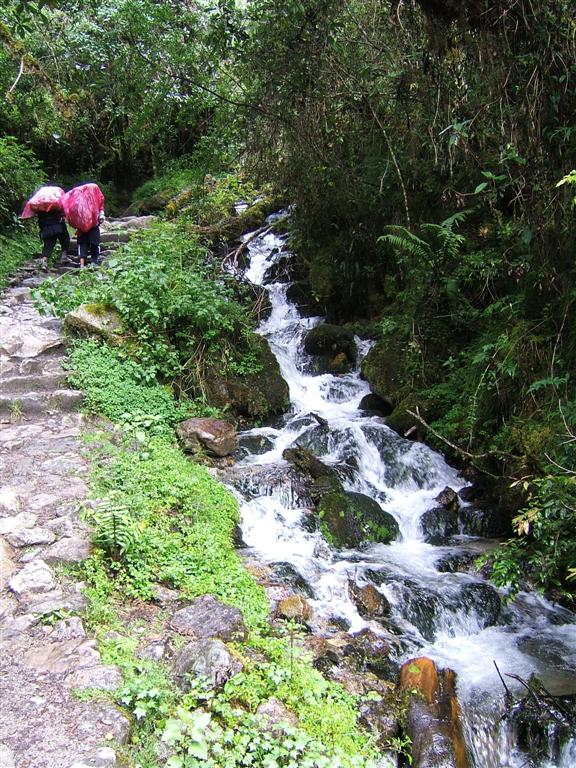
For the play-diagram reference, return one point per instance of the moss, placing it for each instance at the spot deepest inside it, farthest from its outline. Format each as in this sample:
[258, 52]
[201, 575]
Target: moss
[350, 519]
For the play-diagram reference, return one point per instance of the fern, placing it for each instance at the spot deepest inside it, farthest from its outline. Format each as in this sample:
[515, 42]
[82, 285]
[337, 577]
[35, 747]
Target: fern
[115, 531]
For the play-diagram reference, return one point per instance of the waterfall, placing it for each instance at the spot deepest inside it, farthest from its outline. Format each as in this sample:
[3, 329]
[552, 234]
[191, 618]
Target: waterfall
[452, 616]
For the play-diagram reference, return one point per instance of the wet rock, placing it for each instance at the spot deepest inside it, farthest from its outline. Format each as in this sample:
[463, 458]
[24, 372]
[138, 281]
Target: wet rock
[350, 519]
[94, 320]
[487, 522]
[433, 721]
[285, 573]
[454, 562]
[448, 498]
[294, 607]
[375, 405]
[375, 653]
[483, 602]
[209, 658]
[371, 604]
[208, 617]
[25, 537]
[331, 341]
[255, 444]
[35, 578]
[214, 435]
[439, 525]
[380, 718]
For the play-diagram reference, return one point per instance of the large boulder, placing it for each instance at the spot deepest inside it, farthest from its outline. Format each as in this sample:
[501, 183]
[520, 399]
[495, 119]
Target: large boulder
[256, 395]
[439, 525]
[334, 345]
[214, 435]
[350, 519]
[95, 320]
[207, 617]
[384, 369]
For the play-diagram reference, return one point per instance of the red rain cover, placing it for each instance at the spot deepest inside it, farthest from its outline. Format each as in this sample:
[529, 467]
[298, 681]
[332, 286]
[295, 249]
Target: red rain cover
[82, 205]
[45, 199]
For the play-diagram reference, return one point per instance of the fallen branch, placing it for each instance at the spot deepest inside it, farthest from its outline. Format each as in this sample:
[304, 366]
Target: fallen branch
[455, 447]
[15, 83]
[231, 258]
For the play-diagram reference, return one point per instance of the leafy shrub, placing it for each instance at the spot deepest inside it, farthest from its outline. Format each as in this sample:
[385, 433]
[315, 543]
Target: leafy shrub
[172, 305]
[117, 388]
[544, 551]
[20, 174]
[17, 248]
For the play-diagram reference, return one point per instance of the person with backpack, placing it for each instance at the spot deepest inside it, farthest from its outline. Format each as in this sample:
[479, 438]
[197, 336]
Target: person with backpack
[84, 209]
[52, 225]
[89, 243]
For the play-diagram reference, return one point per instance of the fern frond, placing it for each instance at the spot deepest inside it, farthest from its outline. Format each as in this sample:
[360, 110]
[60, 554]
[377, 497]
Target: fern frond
[115, 531]
[406, 241]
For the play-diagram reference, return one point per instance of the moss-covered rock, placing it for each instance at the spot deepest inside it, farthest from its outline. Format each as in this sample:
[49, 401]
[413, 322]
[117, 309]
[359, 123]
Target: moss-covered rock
[256, 395]
[403, 422]
[350, 519]
[331, 341]
[95, 320]
[384, 368]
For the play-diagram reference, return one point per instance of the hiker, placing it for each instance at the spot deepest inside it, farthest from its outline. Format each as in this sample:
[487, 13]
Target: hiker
[84, 209]
[89, 243]
[46, 203]
[53, 228]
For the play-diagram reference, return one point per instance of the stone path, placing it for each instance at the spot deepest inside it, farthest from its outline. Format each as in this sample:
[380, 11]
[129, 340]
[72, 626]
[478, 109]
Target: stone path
[46, 653]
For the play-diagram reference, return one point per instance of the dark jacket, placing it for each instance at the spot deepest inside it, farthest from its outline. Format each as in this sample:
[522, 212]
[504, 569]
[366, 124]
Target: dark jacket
[51, 224]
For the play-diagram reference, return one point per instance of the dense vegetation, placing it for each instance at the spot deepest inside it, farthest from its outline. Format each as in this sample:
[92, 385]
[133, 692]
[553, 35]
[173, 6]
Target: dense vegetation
[428, 150]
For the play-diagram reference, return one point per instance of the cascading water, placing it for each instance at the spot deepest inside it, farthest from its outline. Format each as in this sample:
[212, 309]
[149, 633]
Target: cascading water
[453, 617]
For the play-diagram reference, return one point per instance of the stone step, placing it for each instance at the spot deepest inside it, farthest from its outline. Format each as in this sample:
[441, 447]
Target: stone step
[41, 382]
[60, 400]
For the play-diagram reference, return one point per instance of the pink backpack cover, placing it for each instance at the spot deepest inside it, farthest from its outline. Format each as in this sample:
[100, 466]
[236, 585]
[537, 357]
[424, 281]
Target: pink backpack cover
[82, 205]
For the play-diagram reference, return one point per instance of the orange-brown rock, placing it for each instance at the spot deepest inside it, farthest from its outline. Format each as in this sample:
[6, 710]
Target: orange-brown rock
[433, 723]
[294, 607]
[421, 675]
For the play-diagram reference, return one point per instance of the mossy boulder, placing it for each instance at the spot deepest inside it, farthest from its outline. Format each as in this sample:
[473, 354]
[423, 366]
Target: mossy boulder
[402, 422]
[350, 519]
[95, 320]
[256, 395]
[331, 342]
[384, 368]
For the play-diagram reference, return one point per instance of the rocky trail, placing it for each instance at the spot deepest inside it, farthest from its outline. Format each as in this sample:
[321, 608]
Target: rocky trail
[47, 654]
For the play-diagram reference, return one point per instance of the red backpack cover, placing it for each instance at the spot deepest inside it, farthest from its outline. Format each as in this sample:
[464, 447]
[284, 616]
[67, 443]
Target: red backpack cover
[82, 205]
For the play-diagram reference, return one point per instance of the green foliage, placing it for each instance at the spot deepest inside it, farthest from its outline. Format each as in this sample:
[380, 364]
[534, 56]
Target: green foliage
[544, 552]
[176, 306]
[16, 248]
[180, 524]
[118, 389]
[20, 175]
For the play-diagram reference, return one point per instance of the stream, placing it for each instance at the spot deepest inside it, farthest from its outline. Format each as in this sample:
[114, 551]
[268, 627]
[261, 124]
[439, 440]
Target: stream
[439, 609]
